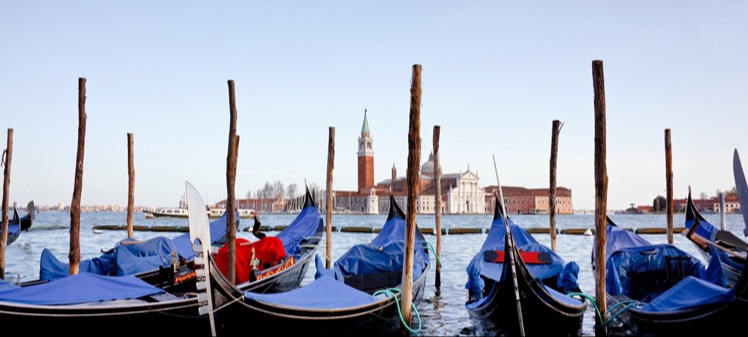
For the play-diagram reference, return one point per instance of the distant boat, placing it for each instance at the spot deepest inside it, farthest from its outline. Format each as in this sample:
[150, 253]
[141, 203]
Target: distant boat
[170, 212]
[243, 213]
[214, 213]
[18, 224]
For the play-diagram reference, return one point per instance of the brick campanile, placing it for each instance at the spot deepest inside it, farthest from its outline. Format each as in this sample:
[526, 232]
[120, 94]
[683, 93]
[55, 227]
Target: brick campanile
[365, 157]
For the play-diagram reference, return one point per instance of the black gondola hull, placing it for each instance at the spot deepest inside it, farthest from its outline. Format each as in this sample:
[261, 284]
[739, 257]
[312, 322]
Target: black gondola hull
[172, 318]
[380, 318]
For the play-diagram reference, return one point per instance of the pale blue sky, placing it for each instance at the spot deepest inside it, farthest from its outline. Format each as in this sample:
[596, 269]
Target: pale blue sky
[495, 76]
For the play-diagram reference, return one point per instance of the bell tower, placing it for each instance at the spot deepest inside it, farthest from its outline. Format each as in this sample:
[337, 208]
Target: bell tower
[365, 157]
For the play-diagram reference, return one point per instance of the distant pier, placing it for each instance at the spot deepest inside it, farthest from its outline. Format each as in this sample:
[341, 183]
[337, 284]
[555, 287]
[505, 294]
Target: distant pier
[431, 231]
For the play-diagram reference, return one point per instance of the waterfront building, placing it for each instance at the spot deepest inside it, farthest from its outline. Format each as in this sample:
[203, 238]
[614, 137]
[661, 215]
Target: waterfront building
[520, 200]
[461, 192]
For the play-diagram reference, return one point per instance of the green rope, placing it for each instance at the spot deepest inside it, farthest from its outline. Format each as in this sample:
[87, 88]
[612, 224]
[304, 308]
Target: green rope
[392, 292]
[591, 299]
[431, 248]
[628, 304]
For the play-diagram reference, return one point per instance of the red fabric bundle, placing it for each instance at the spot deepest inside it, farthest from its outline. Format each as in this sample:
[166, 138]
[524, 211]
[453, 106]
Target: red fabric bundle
[268, 252]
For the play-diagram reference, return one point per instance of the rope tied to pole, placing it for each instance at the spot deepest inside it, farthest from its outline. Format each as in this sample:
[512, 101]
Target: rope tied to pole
[393, 293]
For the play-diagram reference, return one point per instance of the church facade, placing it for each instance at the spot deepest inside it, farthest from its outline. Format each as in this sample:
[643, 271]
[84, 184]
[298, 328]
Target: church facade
[460, 192]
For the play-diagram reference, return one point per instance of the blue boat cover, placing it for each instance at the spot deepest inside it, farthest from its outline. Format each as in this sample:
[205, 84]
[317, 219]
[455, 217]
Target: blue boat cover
[567, 274]
[325, 292]
[689, 293]
[80, 288]
[385, 253]
[303, 226]
[705, 230]
[5, 285]
[130, 256]
[619, 238]
[630, 257]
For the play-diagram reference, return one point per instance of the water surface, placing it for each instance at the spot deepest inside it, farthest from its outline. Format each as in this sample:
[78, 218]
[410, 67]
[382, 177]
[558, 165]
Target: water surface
[443, 315]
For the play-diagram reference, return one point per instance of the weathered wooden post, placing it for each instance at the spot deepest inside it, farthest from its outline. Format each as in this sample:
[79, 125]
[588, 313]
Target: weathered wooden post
[131, 183]
[669, 182]
[722, 222]
[74, 256]
[556, 129]
[414, 159]
[437, 207]
[230, 185]
[7, 156]
[328, 209]
[601, 189]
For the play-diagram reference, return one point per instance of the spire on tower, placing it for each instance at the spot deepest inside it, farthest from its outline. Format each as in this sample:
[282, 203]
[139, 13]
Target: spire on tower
[365, 128]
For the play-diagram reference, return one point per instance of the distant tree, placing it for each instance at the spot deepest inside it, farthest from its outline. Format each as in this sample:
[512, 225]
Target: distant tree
[291, 194]
[659, 204]
[278, 189]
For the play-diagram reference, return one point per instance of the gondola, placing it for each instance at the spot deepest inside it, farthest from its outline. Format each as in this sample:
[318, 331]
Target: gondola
[661, 290]
[519, 287]
[712, 242]
[88, 304]
[359, 296]
[17, 224]
[292, 249]
[162, 261]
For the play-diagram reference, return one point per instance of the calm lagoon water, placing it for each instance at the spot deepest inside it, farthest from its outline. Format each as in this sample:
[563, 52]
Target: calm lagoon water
[442, 315]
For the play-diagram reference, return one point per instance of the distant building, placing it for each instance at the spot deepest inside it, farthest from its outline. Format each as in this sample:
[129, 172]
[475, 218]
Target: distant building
[460, 192]
[520, 200]
[710, 205]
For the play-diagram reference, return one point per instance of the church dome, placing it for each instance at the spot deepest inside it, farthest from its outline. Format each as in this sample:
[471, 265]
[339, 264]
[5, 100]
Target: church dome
[428, 167]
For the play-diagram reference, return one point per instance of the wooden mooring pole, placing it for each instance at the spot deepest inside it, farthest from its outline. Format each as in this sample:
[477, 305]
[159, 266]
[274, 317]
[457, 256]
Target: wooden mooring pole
[669, 182]
[329, 207]
[555, 130]
[414, 160]
[437, 208]
[231, 160]
[130, 183]
[6, 158]
[601, 190]
[74, 256]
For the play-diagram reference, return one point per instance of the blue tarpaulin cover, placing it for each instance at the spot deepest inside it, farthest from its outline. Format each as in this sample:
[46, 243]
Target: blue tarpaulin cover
[619, 238]
[689, 293]
[705, 230]
[325, 292]
[303, 226]
[130, 256]
[385, 253]
[632, 256]
[80, 288]
[623, 263]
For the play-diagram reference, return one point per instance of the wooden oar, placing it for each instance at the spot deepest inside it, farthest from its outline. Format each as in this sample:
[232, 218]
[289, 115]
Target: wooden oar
[704, 243]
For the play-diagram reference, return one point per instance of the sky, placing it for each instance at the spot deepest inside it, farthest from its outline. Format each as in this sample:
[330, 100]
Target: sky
[495, 75]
